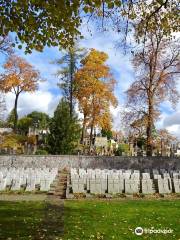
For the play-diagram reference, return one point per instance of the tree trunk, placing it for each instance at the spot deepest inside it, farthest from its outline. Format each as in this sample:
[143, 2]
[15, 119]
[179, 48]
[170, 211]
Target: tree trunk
[91, 132]
[15, 113]
[71, 83]
[149, 149]
[83, 130]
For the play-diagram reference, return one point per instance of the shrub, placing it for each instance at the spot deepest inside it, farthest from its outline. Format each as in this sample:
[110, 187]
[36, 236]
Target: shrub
[41, 152]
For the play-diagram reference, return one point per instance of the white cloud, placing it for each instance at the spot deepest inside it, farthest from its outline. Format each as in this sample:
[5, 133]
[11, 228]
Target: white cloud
[173, 119]
[175, 130]
[38, 101]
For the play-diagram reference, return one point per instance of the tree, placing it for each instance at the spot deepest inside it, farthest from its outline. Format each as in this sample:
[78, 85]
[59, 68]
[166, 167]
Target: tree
[5, 48]
[39, 120]
[139, 17]
[94, 91]
[23, 125]
[53, 23]
[156, 66]
[10, 119]
[69, 63]
[163, 140]
[107, 133]
[123, 148]
[64, 130]
[13, 142]
[19, 77]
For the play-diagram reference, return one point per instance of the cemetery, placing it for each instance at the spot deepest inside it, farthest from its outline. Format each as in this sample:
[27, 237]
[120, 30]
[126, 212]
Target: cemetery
[57, 176]
[89, 120]
[86, 197]
[112, 182]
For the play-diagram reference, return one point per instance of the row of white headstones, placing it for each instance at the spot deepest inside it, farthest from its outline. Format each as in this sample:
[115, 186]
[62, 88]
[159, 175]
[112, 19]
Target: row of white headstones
[97, 181]
[27, 178]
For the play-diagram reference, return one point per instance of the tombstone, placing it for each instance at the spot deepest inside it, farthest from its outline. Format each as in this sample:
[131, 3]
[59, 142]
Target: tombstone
[132, 186]
[2, 184]
[98, 186]
[8, 182]
[45, 184]
[146, 175]
[176, 183]
[77, 185]
[147, 186]
[157, 176]
[126, 175]
[164, 186]
[30, 184]
[115, 186]
[166, 175]
[16, 184]
[135, 176]
[176, 175]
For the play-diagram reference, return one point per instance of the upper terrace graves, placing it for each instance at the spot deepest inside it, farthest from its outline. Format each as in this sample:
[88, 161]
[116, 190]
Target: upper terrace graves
[97, 181]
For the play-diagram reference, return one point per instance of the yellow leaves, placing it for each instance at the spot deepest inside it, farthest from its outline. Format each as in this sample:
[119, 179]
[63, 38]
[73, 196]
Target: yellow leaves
[13, 141]
[95, 57]
[19, 76]
[94, 89]
[32, 139]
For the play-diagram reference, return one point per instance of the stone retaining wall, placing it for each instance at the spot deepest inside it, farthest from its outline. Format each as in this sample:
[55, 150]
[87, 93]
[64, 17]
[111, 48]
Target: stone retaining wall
[102, 162]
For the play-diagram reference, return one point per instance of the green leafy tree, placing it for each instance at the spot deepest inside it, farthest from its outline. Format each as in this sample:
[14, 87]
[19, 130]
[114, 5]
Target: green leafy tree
[39, 119]
[68, 63]
[107, 133]
[122, 148]
[11, 119]
[24, 124]
[53, 23]
[64, 130]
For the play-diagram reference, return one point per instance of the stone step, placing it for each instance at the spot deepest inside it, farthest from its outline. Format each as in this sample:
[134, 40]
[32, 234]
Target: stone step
[59, 185]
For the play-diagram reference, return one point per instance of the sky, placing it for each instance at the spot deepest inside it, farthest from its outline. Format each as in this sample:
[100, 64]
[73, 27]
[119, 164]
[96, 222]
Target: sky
[49, 94]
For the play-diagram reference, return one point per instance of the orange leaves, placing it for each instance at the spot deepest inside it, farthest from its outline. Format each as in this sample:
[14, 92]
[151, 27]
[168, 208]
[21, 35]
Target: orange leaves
[19, 76]
[94, 87]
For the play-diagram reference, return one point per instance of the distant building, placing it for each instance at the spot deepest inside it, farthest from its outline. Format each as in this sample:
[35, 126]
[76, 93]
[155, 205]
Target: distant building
[5, 130]
[101, 142]
[176, 149]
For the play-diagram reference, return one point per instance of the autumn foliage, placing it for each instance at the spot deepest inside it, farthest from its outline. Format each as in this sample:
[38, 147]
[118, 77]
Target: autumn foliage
[94, 86]
[19, 76]
[157, 71]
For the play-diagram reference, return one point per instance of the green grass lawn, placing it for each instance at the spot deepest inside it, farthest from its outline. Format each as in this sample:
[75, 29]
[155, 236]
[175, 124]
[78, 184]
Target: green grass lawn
[19, 220]
[88, 219]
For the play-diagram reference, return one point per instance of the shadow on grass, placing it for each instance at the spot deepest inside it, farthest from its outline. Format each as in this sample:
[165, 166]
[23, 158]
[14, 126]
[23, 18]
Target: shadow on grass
[31, 220]
[52, 225]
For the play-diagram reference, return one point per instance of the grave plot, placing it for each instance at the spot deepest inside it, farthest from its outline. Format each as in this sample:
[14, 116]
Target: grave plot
[112, 182]
[28, 179]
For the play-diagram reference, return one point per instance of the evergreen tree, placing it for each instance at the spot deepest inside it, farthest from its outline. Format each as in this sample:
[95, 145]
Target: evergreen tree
[64, 130]
[106, 133]
[68, 63]
[40, 120]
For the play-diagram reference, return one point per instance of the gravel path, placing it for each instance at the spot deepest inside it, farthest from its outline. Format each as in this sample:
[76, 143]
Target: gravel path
[21, 197]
